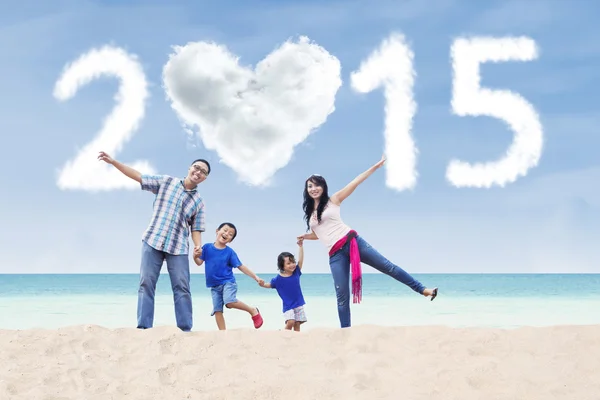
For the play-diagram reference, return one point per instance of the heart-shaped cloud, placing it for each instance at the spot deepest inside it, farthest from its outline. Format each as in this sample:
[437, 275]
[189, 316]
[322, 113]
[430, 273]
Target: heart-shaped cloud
[253, 118]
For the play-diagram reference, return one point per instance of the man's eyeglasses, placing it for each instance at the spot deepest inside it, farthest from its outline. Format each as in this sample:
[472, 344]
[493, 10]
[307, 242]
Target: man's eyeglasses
[200, 169]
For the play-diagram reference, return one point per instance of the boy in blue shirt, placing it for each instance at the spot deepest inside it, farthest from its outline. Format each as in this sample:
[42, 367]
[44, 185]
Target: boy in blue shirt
[219, 261]
[287, 284]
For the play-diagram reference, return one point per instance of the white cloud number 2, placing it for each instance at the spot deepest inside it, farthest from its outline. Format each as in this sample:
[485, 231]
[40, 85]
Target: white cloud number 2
[390, 66]
[84, 171]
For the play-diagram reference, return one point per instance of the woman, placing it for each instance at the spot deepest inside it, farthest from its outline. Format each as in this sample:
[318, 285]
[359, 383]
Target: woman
[346, 247]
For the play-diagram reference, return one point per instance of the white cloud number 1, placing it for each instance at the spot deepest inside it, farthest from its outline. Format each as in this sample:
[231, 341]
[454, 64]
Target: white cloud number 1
[391, 66]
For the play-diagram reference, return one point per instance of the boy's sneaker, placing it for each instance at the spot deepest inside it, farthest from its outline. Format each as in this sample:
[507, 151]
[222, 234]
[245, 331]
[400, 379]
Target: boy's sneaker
[258, 320]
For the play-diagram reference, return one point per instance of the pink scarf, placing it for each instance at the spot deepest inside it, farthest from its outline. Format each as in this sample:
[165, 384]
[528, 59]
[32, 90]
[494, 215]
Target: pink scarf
[354, 262]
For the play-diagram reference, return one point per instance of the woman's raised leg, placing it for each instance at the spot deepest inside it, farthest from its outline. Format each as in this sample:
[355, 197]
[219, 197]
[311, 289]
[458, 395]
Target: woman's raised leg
[370, 256]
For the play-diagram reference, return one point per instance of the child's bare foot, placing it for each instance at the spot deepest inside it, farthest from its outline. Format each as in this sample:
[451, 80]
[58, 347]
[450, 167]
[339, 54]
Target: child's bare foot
[430, 292]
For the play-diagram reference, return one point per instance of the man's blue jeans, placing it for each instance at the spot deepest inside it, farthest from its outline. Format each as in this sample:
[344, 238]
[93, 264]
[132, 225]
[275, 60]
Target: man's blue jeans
[178, 267]
[340, 270]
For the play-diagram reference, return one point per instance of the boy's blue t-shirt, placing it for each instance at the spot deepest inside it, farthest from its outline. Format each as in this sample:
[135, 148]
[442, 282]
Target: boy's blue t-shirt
[288, 288]
[219, 264]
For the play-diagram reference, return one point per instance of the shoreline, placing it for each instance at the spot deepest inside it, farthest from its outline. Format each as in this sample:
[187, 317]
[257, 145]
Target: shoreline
[174, 330]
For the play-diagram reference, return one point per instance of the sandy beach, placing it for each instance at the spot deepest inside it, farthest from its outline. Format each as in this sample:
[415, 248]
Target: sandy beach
[364, 362]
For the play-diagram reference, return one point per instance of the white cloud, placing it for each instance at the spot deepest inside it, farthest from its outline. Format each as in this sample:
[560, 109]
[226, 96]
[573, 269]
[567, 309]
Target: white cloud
[391, 66]
[469, 98]
[85, 171]
[253, 119]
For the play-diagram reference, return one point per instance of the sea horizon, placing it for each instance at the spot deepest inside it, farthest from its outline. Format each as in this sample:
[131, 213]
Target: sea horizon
[164, 272]
[507, 300]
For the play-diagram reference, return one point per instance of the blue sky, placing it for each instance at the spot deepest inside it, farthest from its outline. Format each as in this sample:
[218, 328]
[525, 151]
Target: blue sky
[547, 221]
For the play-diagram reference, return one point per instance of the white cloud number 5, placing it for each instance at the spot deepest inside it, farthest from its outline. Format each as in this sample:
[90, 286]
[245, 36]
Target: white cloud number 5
[470, 99]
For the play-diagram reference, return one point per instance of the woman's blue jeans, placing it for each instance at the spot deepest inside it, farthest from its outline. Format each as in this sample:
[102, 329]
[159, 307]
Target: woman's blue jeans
[340, 270]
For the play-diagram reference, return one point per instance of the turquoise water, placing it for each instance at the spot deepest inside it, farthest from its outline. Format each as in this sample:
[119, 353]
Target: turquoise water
[490, 300]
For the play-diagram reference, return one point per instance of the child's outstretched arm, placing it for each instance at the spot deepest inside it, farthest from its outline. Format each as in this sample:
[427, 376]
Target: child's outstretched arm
[250, 273]
[264, 284]
[300, 254]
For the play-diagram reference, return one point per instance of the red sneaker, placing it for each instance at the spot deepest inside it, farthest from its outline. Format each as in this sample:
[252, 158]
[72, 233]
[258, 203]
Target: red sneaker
[258, 320]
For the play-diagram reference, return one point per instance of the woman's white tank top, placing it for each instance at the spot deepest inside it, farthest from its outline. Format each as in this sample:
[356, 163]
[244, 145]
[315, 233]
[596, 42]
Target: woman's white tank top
[332, 228]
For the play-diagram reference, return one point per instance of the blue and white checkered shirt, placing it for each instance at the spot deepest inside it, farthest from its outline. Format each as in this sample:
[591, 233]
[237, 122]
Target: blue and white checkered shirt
[176, 211]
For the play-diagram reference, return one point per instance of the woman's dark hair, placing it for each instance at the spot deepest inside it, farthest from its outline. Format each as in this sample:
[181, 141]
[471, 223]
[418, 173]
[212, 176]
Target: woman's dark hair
[281, 259]
[232, 226]
[309, 204]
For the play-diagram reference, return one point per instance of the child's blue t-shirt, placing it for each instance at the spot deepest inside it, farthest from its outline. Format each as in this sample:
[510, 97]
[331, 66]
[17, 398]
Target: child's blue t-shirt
[219, 264]
[288, 288]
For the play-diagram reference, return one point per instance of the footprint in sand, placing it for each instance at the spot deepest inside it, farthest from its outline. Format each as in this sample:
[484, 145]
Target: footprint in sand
[168, 375]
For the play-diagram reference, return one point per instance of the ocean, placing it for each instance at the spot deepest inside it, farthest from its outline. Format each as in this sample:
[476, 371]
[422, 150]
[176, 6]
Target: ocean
[465, 300]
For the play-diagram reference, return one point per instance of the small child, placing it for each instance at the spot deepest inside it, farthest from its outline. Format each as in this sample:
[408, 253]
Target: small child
[220, 260]
[287, 284]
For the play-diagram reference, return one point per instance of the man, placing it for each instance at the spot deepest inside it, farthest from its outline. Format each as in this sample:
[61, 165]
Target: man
[178, 208]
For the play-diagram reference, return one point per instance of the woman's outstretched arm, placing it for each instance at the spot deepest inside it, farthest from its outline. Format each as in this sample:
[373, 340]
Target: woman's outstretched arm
[307, 236]
[343, 194]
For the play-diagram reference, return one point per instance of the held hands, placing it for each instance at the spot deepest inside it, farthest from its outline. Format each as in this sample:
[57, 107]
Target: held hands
[197, 251]
[261, 282]
[300, 240]
[102, 156]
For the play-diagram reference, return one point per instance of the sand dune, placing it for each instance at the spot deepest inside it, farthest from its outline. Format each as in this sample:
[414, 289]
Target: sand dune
[365, 362]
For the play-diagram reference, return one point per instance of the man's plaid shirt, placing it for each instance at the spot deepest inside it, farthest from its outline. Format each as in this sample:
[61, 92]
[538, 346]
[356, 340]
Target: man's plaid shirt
[176, 211]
